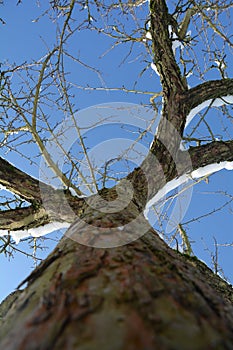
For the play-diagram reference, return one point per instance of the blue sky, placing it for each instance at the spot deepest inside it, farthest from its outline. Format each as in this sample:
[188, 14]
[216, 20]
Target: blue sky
[25, 39]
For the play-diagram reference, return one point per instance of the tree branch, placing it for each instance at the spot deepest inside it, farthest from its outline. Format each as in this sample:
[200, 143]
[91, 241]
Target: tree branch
[173, 83]
[62, 207]
[168, 69]
[57, 209]
[210, 90]
[18, 182]
[22, 218]
[56, 205]
[211, 153]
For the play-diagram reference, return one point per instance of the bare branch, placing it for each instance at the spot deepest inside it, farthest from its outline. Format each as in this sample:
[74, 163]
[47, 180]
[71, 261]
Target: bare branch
[168, 69]
[213, 152]
[209, 90]
[19, 182]
[185, 23]
[213, 25]
[22, 218]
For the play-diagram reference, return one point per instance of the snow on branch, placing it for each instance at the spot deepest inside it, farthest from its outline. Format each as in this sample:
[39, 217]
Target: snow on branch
[37, 231]
[176, 42]
[218, 156]
[194, 175]
[209, 103]
[18, 182]
[24, 217]
[34, 220]
[208, 91]
[153, 66]
[162, 47]
[216, 152]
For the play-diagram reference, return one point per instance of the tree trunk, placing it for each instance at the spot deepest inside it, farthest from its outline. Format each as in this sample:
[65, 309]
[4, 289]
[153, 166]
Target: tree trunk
[142, 296]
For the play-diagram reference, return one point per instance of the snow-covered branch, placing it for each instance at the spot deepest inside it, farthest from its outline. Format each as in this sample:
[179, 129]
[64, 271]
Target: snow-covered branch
[164, 59]
[30, 221]
[21, 218]
[206, 160]
[213, 153]
[18, 182]
[39, 218]
[219, 101]
[208, 91]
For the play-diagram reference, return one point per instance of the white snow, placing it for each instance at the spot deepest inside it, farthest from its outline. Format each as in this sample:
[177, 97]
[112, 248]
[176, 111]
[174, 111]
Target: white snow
[153, 66]
[189, 74]
[182, 146]
[228, 166]
[175, 43]
[220, 64]
[148, 35]
[210, 169]
[170, 31]
[195, 174]
[35, 232]
[3, 233]
[74, 193]
[216, 103]
[171, 185]
[44, 230]
[18, 235]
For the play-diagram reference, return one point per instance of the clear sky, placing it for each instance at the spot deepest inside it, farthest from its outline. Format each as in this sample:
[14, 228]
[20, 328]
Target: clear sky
[24, 39]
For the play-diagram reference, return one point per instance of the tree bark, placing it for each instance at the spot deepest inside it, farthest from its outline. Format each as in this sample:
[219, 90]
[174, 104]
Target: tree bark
[143, 295]
[139, 296]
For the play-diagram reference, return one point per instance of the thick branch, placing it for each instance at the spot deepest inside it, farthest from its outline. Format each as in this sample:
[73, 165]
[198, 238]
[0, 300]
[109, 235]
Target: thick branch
[48, 204]
[214, 152]
[19, 182]
[210, 90]
[164, 59]
[22, 218]
[171, 166]
[57, 205]
[184, 25]
[38, 193]
[174, 85]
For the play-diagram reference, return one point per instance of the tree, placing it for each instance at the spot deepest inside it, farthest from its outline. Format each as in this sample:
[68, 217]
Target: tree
[143, 295]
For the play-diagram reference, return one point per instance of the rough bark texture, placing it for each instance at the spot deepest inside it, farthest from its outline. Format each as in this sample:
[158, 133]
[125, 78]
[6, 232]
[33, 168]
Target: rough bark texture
[141, 296]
